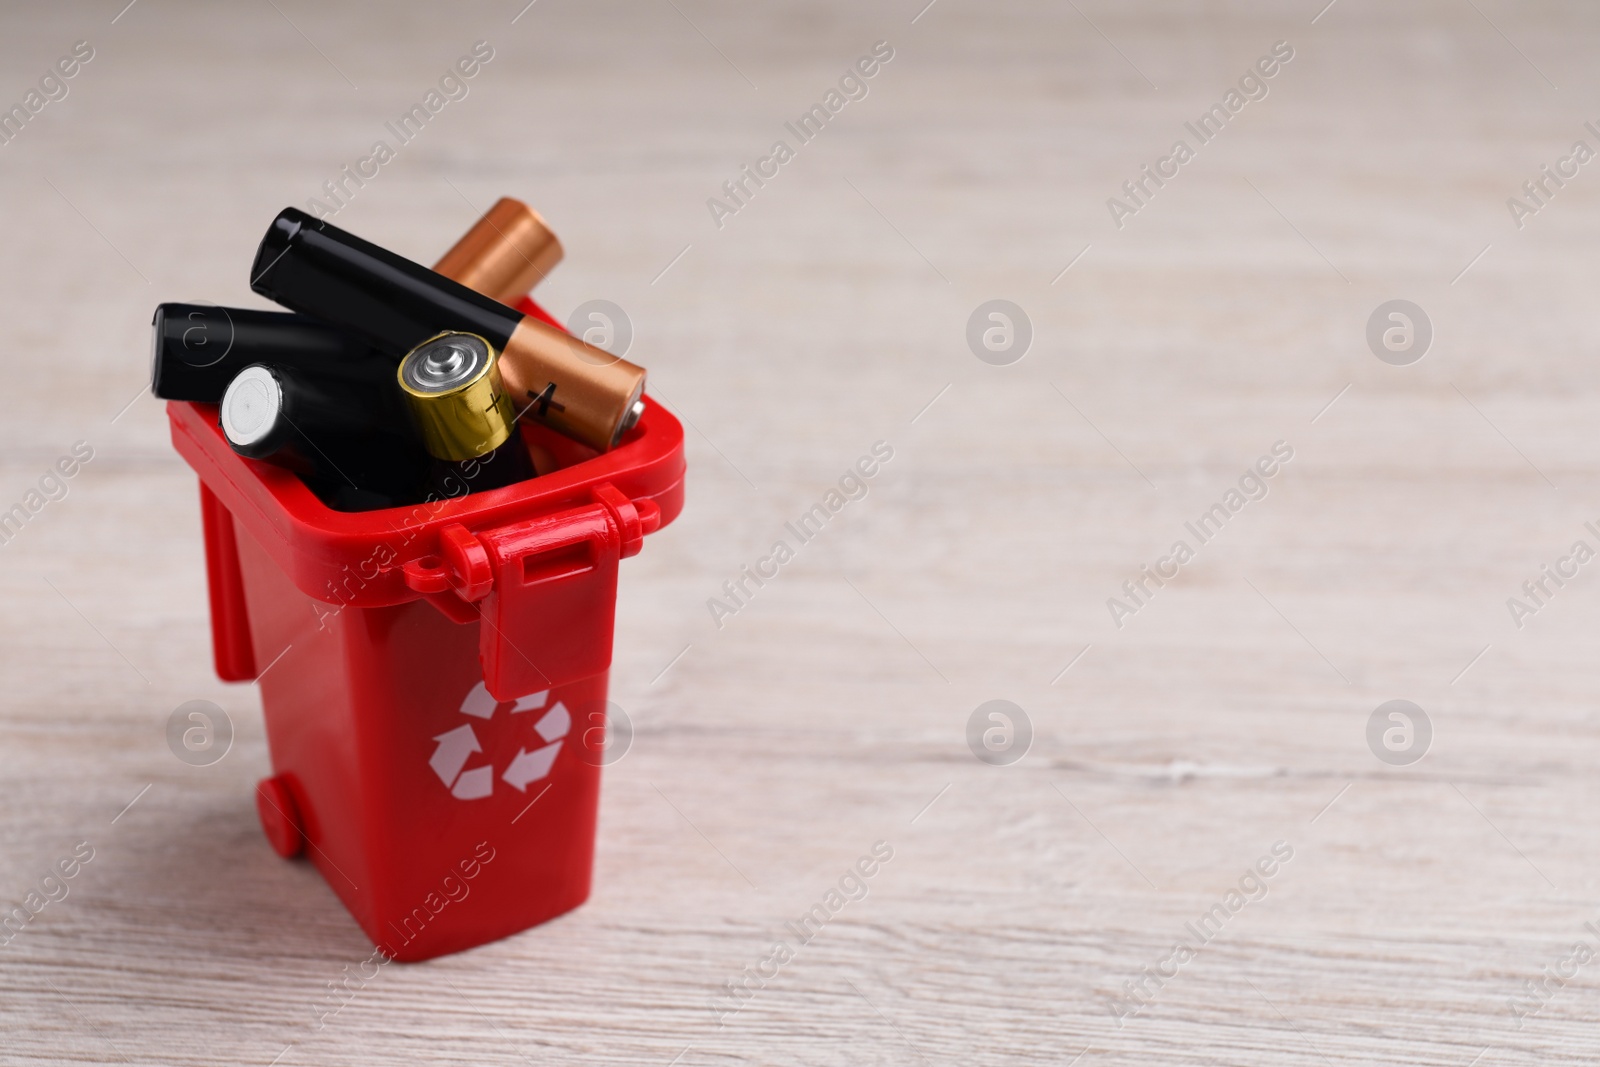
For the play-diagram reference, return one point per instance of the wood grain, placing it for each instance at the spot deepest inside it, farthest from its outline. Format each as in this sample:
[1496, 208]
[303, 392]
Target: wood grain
[831, 712]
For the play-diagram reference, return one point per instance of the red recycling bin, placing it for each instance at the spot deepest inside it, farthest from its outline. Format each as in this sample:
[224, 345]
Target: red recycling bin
[433, 677]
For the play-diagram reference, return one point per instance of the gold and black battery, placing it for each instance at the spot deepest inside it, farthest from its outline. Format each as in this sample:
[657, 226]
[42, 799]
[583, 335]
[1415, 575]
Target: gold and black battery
[463, 415]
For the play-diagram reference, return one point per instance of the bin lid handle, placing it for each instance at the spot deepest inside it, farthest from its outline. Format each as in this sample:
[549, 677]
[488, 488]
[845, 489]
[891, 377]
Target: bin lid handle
[463, 563]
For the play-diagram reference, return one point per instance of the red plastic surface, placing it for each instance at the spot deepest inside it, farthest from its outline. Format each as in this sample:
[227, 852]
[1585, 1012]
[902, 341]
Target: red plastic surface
[444, 785]
[280, 820]
[230, 625]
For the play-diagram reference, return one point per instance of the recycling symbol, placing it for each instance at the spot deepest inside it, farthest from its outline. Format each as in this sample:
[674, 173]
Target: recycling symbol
[456, 747]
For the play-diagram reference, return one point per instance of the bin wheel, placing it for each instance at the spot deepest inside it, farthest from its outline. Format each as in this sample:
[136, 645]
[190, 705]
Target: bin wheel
[280, 819]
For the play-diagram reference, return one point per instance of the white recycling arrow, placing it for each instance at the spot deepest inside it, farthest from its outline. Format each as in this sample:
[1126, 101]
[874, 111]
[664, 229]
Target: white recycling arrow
[555, 723]
[455, 748]
[531, 702]
[479, 704]
[474, 784]
[531, 766]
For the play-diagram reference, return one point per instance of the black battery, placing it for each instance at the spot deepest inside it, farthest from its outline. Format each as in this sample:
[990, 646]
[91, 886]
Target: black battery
[504, 466]
[197, 349]
[315, 268]
[345, 441]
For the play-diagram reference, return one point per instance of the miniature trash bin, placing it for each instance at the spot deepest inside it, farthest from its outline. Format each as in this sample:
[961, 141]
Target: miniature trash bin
[433, 677]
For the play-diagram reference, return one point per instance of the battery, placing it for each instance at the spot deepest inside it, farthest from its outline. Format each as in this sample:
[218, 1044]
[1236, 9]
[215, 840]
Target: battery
[338, 437]
[506, 253]
[265, 408]
[452, 385]
[315, 268]
[198, 348]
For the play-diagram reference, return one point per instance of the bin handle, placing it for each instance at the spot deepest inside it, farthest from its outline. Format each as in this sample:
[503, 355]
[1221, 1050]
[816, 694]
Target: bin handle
[463, 566]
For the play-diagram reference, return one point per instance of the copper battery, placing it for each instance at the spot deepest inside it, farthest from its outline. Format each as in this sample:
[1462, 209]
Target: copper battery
[506, 253]
[600, 396]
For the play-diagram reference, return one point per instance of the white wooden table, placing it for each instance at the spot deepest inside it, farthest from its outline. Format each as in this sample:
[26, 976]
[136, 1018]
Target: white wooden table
[1024, 903]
